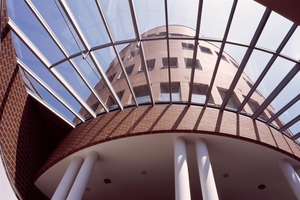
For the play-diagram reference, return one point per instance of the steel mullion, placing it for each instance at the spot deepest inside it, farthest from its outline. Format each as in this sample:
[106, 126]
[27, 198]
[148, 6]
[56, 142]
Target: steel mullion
[116, 51]
[268, 66]
[282, 110]
[296, 136]
[88, 49]
[50, 108]
[277, 90]
[231, 15]
[290, 123]
[28, 43]
[142, 53]
[49, 89]
[44, 61]
[60, 46]
[168, 50]
[248, 53]
[195, 52]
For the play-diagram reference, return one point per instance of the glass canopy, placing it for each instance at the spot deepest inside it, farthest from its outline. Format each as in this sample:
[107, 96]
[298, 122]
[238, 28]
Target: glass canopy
[67, 49]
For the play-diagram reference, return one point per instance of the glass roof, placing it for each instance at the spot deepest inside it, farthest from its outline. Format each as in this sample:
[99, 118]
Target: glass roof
[68, 49]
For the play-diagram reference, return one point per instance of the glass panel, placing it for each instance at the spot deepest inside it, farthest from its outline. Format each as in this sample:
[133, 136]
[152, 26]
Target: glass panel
[274, 31]
[150, 14]
[112, 68]
[142, 93]
[118, 17]
[214, 18]
[291, 90]
[22, 16]
[40, 70]
[88, 18]
[154, 52]
[291, 113]
[294, 129]
[183, 12]
[292, 47]
[52, 101]
[59, 24]
[245, 22]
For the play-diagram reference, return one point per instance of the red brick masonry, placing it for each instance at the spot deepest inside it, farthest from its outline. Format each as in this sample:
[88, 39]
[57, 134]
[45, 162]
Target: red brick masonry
[175, 118]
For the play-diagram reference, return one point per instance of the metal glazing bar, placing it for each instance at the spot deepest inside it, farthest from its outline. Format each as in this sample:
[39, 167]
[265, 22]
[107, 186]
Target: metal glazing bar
[168, 50]
[80, 34]
[290, 123]
[50, 108]
[32, 48]
[296, 136]
[49, 89]
[282, 110]
[277, 90]
[142, 53]
[116, 51]
[60, 46]
[268, 66]
[195, 52]
[208, 94]
[28, 43]
[248, 53]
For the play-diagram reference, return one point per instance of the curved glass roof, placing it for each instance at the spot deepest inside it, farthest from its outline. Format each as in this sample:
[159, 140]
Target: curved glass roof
[66, 46]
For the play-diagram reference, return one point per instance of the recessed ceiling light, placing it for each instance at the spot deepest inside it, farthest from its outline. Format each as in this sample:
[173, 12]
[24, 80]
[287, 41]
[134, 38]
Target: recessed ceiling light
[225, 175]
[261, 186]
[107, 180]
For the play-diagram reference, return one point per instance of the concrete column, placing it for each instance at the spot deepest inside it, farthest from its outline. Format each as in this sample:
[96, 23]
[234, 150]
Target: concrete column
[182, 184]
[67, 181]
[83, 176]
[207, 180]
[291, 177]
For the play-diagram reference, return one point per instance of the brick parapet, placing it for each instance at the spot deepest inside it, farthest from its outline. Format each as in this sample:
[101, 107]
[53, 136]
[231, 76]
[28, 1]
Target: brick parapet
[171, 119]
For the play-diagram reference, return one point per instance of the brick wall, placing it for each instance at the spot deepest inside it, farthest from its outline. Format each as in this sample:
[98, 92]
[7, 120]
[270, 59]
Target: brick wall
[26, 138]
[175, 118]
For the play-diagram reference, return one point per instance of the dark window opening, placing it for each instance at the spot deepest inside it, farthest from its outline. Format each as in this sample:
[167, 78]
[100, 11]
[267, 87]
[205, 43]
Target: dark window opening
[165, 91]
[150, 64]
[199, 93]
[187, 46]
[120, 94]
[173, 62]
[142, 93]
[189, 63]
[110, 103]
[135, 53]
[205, 50]
[233, 101]
[111, 77]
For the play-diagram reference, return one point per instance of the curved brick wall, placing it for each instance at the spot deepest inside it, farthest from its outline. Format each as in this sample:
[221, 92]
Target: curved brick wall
[171, 118]
[26, 138]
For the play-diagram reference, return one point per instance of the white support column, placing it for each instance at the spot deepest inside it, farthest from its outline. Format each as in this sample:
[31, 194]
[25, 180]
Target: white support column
[182, 184]
[207, 180]
[291, 177]
[83, 176]
[67, 181]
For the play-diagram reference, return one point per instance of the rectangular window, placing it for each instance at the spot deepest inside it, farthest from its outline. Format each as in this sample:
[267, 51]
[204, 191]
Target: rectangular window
[233, 101]
[111, 77]
[199, 93]
[165, 91]
[128, 70]
[173, 62]
[205, 50]
[134, 53]
[222, 57]
[150, 64]
[187, 46]
[189, 63]
[142, 93]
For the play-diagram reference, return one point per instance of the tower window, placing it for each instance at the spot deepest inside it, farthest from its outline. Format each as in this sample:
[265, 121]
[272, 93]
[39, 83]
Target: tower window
[199, 93]
[165, 91]
[135, 53]
[205, 50]
[150, 64]
[173, 62]
[187, 46]
[189, 63]
[142, 93]
[233, 101]
[128, 70]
